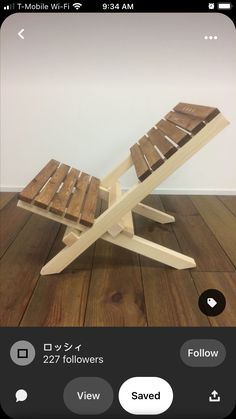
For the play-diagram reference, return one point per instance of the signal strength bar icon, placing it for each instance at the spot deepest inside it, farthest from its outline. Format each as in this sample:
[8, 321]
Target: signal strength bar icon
[77, 6]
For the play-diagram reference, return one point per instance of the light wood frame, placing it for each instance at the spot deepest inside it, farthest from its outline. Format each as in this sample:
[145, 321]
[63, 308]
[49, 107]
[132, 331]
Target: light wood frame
[79, 237]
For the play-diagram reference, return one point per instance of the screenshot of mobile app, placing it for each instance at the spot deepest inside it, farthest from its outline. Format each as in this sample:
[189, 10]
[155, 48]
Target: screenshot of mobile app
[117, 210]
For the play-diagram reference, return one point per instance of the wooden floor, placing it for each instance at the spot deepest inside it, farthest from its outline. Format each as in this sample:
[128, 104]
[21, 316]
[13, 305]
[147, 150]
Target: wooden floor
[110, 286]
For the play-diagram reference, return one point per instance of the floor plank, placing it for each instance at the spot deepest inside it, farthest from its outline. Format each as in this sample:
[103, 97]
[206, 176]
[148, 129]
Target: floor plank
[170, 295]
[226, 283]
[195, 238]
[220, 220]
[178, 204]
[20, 267]
[60, 300]
[116, 293]
[12, 220]
[229, 202]
[171, 299]
[5, 197]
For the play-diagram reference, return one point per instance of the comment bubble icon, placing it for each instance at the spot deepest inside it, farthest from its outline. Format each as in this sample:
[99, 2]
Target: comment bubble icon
[21, 395]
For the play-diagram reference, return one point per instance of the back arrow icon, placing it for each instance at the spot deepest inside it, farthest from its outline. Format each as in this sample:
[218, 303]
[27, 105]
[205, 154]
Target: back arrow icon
[20, 34]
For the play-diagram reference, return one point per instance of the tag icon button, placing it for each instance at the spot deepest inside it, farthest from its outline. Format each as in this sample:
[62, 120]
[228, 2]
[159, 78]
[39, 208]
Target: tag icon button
[211, 302]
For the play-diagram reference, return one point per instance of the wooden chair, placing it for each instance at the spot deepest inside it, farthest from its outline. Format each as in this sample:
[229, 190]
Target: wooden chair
[69, 196]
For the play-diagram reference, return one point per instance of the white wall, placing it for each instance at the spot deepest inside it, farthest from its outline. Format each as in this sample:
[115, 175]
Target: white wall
[82, 88]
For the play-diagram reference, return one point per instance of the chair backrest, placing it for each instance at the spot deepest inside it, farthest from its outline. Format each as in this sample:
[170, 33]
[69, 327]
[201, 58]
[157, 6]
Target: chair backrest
[168, 135]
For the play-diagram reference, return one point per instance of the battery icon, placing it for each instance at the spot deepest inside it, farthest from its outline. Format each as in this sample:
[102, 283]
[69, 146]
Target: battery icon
[224, 6]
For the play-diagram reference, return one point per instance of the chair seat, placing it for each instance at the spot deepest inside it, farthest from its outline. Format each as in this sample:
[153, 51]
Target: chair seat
[65, 191]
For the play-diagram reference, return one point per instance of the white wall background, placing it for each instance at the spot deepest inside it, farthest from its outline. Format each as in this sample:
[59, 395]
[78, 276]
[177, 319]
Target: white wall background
[82, 88]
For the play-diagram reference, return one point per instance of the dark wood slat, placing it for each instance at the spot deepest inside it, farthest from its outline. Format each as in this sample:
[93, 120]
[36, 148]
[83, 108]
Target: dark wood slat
[60, 200]
[221, 222]
[153, 157]
[74, 207]
[21, 265]
[33, 188]
[157, 138]
[5, 197]
[207, 113]
[44, 198]
[170, 295]
[226, 283]
[140, 164]
[12, 220]
[90, 203]
[176, 134]
[188, 122]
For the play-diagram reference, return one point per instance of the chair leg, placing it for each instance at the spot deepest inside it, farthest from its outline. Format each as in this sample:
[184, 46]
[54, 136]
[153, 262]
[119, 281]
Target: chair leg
[63, 258]
[153, 251]
[147, 248]
[153, 214]
[136, 244]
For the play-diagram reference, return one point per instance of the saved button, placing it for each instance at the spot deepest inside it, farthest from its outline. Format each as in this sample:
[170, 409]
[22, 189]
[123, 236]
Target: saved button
[145, 395]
